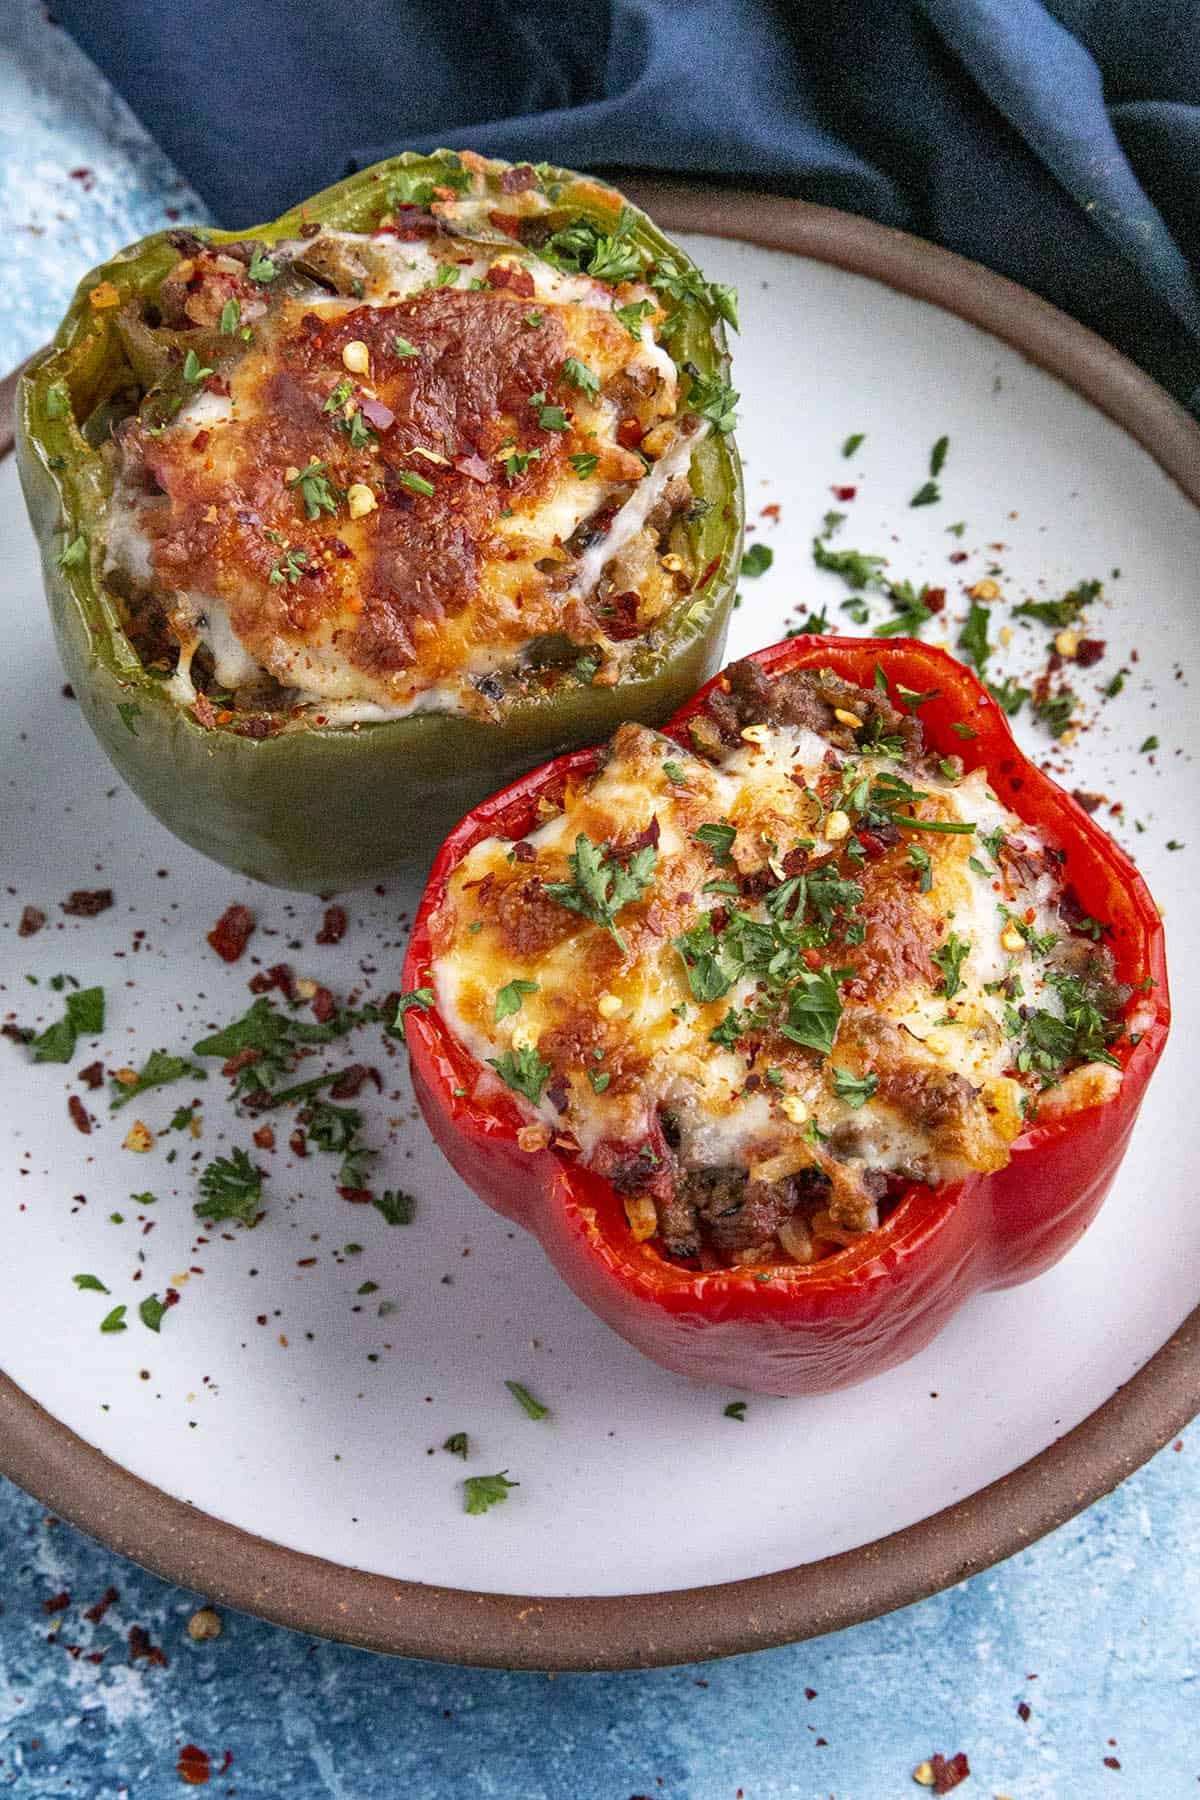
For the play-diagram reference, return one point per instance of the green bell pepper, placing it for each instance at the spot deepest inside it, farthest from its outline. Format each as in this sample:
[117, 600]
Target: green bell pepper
[322, 807]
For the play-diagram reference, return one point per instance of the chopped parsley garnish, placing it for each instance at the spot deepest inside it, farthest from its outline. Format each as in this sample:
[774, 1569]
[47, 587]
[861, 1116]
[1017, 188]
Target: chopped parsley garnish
[416, 484]
[937, 456]
[855, 1090]
[84, 1017]
[725, 301]
[396, 1206]
[152, 1312]
[584, 464]
[1055, 711]
[580, 376]
[482, 1491]
[599, 1081]
[1147, 744]
[928, 494]
[757, 559]
[331, 1127]
[973, 638]
[631, 316]
[963, 731]
[230, 1188]
[856, 569]
[447, 274]
[550, 417]
[91, 1284]
[600, 885]
[159, 1069]
[912, 613]
[403, 348]
[289, 568]
[458, 1444]
[715, 401]
[1082, 1034]
[524, 1071]
[814, 1011]
[231, 314]
[675, 772]
[526, 1401]
[1009, 697]
[193, 369]
[316, 490]
[920, 860]
[950, 959]
[58, 401]
[421, 997]
[852, 442]
[1115, 685]
[1055, 613]
[736, 1410]
[717, 839]
[339, 396]
[510, 997]
[261, 268]
[127, 712]
[115, 1320]
[516, 461]
[816, 625]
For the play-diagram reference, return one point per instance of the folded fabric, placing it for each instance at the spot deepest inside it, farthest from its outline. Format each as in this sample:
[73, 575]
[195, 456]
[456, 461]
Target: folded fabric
[1057, 141]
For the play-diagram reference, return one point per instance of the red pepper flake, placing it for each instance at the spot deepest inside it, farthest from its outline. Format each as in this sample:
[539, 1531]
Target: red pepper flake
[193, 1766]
[264, 1137]
[95, 1613]
[810, 1693]
[844, 493]
[349, 1083]
[57, 1603]
[708, 574]
[1023, 1711]
[279, 975]
[1110, 1762]
[68, 692]
[204, 712]
[1089, 651]
[79, 1115]
[630, 433]
[298, 1143]
[323, 1006]
[334, 928]
[620, 616]
[226, 1762]
[523, 852]
[32, 920]
[958, 556]
[948, 1772]
[85, 903]
[934, 598]
[232, 932]
[505, 222]
[1090, 802]
[140, 1646]
[92, 1075]
[518, 281]
[241, 1059]
[357, 1196]
[200, 441]
[519, 179]
[769, 512]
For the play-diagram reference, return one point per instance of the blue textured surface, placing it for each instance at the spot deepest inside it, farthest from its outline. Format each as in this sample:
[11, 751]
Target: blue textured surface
[1095, 1629]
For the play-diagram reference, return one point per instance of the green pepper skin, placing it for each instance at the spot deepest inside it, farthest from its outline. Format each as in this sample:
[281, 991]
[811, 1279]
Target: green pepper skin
[336, 807]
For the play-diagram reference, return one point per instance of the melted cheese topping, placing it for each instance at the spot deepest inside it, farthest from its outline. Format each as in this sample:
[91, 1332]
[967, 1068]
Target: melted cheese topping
[923, 1077]
[444, 528]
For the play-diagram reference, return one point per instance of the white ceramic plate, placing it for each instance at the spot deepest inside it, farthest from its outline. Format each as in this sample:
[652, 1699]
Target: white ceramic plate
[275, 1397]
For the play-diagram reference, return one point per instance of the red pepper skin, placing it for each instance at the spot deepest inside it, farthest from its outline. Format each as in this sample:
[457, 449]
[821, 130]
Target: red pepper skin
[810, 1329]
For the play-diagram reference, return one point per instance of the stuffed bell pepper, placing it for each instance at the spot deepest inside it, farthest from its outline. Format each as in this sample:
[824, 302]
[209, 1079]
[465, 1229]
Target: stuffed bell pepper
[347, 521]
[786, 1030]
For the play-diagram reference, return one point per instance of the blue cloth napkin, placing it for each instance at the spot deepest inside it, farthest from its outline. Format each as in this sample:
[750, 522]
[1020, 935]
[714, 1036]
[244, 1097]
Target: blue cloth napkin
[1057, 141]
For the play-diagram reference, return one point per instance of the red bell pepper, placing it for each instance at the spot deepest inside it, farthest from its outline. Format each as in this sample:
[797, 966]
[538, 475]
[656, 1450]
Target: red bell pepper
[807, 1329]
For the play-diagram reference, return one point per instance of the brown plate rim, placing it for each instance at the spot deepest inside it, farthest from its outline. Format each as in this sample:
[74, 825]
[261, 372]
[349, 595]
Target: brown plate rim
[407, 1618]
